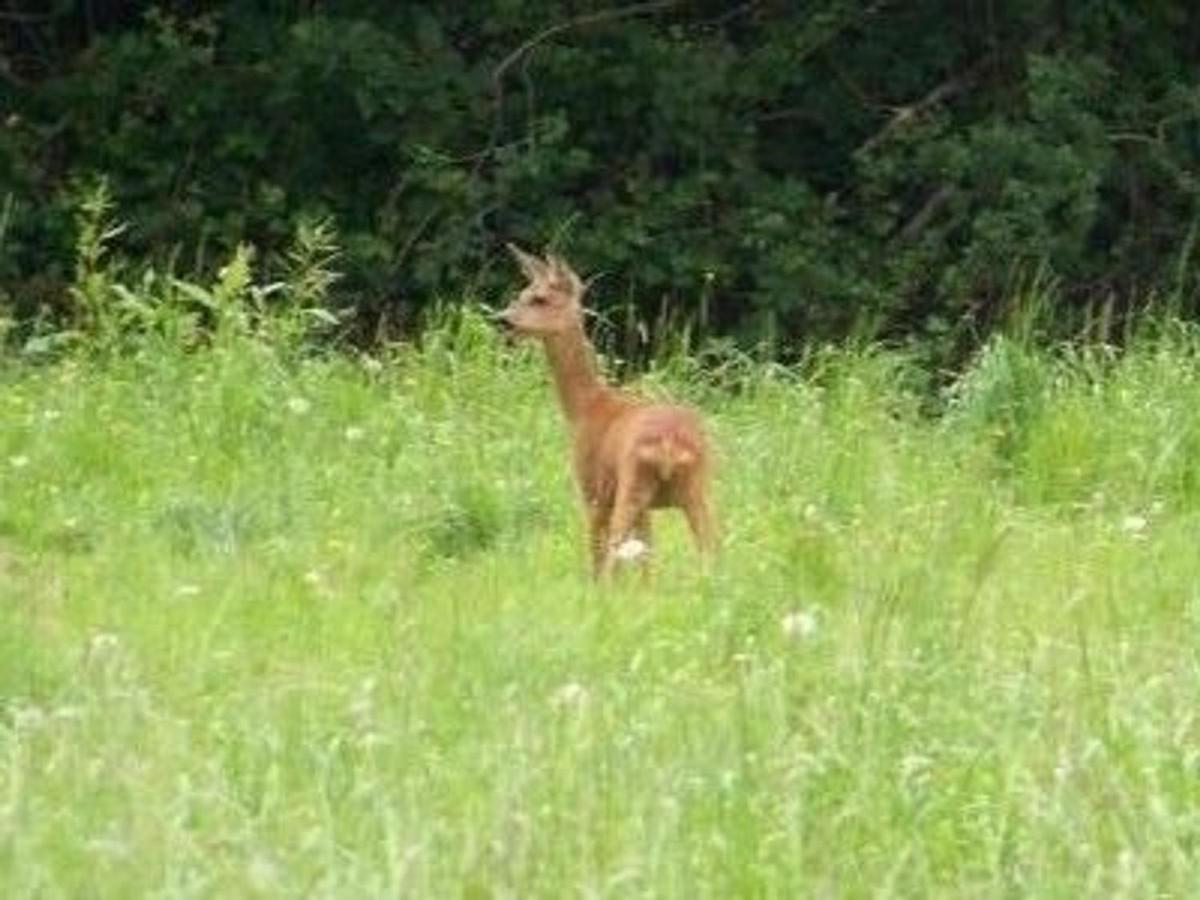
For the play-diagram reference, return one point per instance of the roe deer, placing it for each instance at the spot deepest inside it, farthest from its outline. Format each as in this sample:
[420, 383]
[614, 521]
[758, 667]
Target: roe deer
[629, 455]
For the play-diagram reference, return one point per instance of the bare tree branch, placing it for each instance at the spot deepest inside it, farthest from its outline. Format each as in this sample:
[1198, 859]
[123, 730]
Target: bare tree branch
[909, 112]
[952, 86]
[596, 18]
[822, 41]
[729, 15]
[923, 216]
[527, 46]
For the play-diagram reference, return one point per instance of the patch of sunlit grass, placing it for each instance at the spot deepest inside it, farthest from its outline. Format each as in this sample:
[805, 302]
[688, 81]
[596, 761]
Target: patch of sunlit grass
[324, 627]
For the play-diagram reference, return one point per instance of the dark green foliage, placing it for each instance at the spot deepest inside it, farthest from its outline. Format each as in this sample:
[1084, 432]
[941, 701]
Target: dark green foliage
[767, 169]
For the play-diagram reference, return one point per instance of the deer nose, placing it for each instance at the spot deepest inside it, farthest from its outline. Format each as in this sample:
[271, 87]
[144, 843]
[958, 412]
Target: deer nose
[504, 318]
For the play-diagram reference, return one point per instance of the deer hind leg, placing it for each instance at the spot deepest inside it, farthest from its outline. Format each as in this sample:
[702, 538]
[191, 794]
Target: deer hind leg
[693, 500]
[641, 530]
[630, 516]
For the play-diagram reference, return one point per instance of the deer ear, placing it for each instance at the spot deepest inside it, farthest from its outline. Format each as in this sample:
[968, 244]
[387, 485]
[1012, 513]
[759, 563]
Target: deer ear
[560, 269]
[534, 268]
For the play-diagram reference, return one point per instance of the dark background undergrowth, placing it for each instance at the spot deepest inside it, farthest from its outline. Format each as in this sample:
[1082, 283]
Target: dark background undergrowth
[780, 171]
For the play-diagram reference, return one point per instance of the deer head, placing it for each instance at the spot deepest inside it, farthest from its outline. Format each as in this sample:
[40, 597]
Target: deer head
[551, 303]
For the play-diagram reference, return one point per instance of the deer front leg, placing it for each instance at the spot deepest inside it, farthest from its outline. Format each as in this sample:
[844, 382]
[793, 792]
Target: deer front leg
[597, 523]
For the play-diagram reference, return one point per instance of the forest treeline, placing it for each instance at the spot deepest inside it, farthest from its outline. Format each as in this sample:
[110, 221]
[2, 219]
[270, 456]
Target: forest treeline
[792, 170]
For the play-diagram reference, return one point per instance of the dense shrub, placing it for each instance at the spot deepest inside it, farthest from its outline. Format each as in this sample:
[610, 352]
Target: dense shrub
[778, 170]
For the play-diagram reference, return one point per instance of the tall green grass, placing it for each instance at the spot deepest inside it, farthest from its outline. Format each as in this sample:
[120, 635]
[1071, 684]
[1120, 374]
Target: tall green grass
[275, 624]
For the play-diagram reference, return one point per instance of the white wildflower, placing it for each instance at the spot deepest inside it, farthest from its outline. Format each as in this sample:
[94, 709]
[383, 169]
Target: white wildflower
[362, 703]
[67, 713]
[19, 461]
[28, 718]
[1064, 767]
[799, 624]
[353, 433]
[104, 642]
[571, 694]
[915, 770]
[298, 405]
[631, 549]
[369, 740]
[109, 846]
[1134, 525]
[264, 872]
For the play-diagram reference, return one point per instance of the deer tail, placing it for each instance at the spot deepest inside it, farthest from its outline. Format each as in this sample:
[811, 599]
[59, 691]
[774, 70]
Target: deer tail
[665, 455]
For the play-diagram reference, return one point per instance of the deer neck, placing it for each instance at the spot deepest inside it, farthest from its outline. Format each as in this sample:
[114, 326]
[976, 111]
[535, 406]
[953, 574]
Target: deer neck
[573, 364]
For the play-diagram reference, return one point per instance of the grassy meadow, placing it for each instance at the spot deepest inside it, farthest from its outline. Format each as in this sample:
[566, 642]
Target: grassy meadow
[320, 626]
